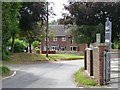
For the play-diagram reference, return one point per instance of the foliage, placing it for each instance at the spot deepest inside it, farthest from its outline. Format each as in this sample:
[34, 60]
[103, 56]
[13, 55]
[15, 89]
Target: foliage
[37, 50]
[35, 43]
[10, 24]
[5, 54]
[93, 13]
[116, 45]
[19, 45]
[82, 78]
[4, 70]
[33, 16]
[87, 33]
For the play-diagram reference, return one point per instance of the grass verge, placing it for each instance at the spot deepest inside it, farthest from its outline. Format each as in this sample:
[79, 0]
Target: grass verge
[63, 56]
[17, 58]
[4, 71]
[83, 79]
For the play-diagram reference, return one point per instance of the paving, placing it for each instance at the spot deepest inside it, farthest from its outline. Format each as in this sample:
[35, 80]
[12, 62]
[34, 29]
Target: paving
[44, 75]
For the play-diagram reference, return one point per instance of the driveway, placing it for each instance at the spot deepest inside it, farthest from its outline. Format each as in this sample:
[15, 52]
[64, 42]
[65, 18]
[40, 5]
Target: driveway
[44, 75]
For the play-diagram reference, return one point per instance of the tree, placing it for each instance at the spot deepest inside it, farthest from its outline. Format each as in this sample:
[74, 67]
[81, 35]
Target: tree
[10, 24]
[93, 13]
[87, 33]
[33, 15]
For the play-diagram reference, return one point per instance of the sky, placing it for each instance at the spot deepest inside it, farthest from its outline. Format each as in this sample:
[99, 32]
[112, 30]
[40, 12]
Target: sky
[57, 9]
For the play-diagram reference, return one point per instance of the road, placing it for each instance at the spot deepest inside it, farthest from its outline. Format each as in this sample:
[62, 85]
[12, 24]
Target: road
[44, 75]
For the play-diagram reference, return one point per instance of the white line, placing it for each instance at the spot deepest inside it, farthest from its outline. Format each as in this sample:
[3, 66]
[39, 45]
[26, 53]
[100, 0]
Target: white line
[9, 76]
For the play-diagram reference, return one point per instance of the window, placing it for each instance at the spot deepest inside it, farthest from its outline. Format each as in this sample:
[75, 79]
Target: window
[63, 48]
[71, 40]
[54, 47]
[55, 39]
[47, 39]
[73, 48]
[63, 39]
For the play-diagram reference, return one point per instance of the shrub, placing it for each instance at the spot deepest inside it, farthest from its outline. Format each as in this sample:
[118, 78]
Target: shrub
[116, 45]
[4, 70]
[37, 50]
[35, 43]
[5, 54]
[19, 45]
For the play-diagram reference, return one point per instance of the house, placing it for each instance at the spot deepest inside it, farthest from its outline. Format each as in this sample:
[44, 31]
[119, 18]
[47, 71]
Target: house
[59, 40]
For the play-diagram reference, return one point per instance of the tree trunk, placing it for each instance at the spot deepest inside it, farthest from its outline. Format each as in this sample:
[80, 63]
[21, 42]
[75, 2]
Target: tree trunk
[30, 49]
[13, 41]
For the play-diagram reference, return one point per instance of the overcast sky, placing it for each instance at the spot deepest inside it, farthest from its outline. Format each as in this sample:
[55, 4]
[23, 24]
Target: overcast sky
[57, 8]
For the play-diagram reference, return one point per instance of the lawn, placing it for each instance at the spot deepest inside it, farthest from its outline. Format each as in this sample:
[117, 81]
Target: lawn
[31, 57]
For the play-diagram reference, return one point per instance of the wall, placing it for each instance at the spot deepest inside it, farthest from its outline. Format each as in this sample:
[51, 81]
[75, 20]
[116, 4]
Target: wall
[67, 44]
[94, 63]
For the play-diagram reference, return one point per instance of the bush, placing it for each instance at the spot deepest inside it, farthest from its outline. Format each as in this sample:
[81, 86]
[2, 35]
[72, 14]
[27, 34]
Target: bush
[19, 45]
[4, 71]
[35, 43]
[5, 54]
[37, 50]
[116, 45]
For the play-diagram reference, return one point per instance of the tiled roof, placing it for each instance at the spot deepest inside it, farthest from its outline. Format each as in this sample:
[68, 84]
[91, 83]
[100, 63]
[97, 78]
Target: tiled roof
[57, 30]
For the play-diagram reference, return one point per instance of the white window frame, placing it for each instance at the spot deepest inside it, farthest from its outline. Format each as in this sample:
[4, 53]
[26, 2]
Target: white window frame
[54, 39]
[72, 48]
[63, 39]
[55, 47]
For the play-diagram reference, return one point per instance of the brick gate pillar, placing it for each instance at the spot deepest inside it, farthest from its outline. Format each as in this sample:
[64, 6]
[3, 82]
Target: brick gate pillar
[101, 49]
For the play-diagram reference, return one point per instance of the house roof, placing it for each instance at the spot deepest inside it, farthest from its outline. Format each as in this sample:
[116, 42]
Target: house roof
[57, 30]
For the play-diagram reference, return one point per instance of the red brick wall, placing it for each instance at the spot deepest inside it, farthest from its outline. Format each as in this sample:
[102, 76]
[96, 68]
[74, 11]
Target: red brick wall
[97, 63]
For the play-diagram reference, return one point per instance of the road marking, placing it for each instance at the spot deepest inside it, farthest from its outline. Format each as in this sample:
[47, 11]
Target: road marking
[10, 76]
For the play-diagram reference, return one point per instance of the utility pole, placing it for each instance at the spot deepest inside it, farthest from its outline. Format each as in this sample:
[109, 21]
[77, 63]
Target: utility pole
[47, 32]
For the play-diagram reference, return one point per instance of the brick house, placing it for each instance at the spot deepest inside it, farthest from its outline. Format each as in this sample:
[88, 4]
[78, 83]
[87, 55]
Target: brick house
[60, 41]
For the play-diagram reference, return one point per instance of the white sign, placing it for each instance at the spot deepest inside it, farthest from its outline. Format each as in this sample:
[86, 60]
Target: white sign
[108, 26]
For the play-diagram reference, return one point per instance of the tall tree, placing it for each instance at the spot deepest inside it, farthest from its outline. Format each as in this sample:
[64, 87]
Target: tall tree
[32, 13]
[10, 22]
[93, 13]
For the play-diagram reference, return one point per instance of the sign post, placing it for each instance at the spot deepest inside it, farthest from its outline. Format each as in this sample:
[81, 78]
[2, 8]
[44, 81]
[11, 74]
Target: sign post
[108, 28]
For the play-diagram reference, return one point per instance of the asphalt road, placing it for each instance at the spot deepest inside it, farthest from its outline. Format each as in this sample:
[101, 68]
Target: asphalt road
[44, 75]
